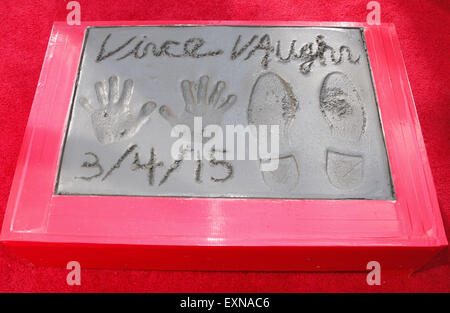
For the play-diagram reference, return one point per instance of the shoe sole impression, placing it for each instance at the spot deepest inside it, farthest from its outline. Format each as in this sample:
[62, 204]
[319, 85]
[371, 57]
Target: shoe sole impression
[342, 108]
[272, 102]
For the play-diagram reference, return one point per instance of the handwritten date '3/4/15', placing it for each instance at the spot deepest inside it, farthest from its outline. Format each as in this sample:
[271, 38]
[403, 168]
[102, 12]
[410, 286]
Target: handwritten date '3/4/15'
[93, 163]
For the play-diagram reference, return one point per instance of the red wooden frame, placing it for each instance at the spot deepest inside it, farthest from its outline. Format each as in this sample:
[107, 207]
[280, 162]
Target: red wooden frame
[226, 234]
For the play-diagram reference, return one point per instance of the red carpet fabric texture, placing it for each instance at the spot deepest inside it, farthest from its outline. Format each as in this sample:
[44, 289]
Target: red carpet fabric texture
[423, 27]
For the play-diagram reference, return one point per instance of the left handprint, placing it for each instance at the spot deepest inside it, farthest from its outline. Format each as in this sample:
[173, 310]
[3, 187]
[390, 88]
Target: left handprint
[113, 121]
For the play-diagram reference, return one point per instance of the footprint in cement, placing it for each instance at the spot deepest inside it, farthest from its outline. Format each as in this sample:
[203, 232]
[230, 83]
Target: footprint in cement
[272, 102]
[342, 108]
[344, 170]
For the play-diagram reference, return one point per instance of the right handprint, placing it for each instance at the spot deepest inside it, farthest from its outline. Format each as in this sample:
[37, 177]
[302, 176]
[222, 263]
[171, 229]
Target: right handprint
[199, 103]
[342, 108]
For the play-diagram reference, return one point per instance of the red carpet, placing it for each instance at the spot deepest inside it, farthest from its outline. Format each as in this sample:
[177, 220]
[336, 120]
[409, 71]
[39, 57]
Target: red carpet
[423, 28]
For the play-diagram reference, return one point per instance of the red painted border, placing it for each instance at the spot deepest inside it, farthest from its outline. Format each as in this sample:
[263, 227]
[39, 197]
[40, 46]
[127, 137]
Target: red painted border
[35, 214]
